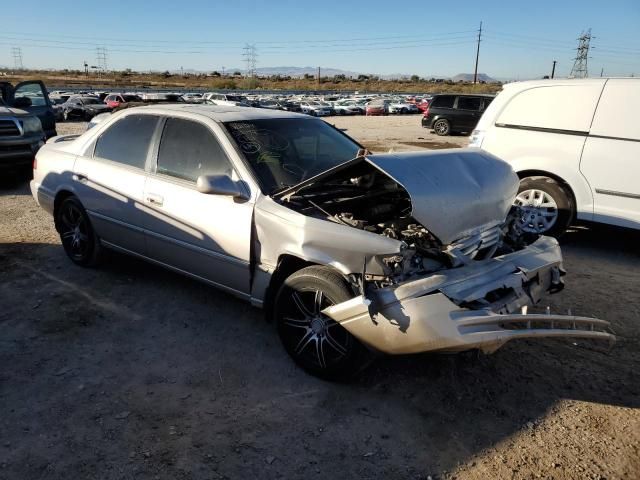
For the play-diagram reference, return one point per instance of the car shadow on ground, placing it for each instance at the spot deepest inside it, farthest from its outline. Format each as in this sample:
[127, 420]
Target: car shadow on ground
[133, 369]
[15, 181]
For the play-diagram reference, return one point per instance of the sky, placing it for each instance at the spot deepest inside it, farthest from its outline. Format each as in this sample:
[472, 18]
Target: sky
[520, 39]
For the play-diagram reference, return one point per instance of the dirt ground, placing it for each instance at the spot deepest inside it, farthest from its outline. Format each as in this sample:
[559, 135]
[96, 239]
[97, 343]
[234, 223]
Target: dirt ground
[398, 133]
[132, 372]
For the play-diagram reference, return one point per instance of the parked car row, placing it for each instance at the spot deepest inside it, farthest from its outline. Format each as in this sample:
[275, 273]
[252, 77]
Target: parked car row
[69, 105]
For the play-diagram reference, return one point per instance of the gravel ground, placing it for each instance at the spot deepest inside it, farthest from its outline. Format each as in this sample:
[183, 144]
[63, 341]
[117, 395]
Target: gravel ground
[130, 371]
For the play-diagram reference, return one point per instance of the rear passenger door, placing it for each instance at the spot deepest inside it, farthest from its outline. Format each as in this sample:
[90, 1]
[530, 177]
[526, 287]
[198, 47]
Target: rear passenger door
[468, 112]
[204, 235]
[109, 180]
[611, 155]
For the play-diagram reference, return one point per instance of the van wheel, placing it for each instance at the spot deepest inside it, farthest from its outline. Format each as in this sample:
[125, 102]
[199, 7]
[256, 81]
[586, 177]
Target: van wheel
[78, 238]
[317, 343]
[547, 206]
[442, 127]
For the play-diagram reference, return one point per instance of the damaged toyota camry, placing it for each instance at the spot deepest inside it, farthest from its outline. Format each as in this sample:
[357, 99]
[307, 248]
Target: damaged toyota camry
[349, 253]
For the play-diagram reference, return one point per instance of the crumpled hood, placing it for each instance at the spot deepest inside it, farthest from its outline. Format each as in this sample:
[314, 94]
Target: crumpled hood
[455, 192]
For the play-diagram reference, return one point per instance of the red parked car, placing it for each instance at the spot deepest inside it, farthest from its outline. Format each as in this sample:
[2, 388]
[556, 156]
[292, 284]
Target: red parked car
[114, 100]
[377, 107]
[423, 106]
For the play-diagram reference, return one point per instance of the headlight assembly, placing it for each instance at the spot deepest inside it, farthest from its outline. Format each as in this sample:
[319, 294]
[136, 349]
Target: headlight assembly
[31, 125]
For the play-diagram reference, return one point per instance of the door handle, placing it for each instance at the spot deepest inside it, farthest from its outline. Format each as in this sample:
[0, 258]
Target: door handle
[154, 199]
[80, 177]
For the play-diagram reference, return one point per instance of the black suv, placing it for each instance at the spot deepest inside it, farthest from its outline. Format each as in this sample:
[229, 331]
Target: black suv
[455, 113]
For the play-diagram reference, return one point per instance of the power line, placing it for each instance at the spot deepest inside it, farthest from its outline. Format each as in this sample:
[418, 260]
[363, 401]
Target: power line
[579, 69]
[104, 40]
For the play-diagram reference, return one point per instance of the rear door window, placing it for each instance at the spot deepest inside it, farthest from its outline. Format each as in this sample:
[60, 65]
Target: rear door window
[444, 101]
[127, 141]
[189, 149]
[469, 103]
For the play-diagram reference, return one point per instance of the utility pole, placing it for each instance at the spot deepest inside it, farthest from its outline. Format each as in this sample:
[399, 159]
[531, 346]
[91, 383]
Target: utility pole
[318, 78]
[579, 69]
[101, 58]
[17, 58]
[475, 71]
[86, 69]
[553, 69]
[251, 58]
[602, 71]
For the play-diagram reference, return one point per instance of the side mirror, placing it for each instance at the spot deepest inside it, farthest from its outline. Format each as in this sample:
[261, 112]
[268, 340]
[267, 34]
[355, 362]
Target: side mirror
[22, 102]
[221, 185]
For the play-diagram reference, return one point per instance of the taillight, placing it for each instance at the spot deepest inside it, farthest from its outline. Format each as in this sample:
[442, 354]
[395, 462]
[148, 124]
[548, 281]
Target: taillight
[476, 138]
[35, 163]
[426, 111]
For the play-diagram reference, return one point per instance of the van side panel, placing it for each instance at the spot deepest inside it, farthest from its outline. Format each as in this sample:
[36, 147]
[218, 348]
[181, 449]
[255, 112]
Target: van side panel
[542, 126]
[558, 154]
[611, 157]
[554, 107]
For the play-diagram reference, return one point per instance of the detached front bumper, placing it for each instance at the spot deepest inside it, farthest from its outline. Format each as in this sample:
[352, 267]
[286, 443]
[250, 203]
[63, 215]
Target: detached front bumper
[470, 307]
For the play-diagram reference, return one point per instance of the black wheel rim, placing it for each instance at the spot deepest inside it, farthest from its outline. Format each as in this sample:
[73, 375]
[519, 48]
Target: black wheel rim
[312, 337]
[74, 232]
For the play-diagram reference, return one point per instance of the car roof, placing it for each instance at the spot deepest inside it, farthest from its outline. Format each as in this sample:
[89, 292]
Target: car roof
[464, 95]
[221, 113]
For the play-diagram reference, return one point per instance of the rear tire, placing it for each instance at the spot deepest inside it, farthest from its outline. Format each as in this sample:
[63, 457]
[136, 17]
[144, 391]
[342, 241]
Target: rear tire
[442, 127]
[78, 238]
[548, 206]
[317, 343]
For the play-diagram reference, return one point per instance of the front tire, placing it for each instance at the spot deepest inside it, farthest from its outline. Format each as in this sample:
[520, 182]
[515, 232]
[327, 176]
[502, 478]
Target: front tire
[78, 238]
[547, 206]
[317, 343]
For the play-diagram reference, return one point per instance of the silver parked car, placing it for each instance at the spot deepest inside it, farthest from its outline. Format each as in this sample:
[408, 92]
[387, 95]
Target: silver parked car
[349, 253]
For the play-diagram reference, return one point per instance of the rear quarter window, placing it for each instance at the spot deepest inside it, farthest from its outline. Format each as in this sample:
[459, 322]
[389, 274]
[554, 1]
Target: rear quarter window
[561, 107]
[127, 141]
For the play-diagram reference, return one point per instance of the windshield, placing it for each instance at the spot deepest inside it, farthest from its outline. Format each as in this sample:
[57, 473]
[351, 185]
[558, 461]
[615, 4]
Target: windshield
[284, 152]
[90, 101]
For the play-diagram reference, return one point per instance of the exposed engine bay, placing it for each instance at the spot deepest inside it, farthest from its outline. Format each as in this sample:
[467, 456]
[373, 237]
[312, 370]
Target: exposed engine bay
[363, 197]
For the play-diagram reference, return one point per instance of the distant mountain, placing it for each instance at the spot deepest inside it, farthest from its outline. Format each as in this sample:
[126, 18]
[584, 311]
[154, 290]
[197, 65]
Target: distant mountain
[468, 77]
[299, 72]
[302, 71]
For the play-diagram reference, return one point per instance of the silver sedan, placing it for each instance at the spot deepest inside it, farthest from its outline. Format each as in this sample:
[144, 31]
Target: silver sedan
[349, 253]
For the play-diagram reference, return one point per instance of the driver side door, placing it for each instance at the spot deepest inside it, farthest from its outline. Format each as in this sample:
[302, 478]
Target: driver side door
[40, 106]
[206, 236]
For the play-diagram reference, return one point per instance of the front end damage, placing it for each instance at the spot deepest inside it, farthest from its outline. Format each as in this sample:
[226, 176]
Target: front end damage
[432, 244]
[470, 307]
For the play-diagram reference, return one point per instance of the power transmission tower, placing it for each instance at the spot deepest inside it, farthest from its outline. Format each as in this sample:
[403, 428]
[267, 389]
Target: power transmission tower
[17, 58]
[475, 72]
[251, 58]
[579, 69]
[101, 58]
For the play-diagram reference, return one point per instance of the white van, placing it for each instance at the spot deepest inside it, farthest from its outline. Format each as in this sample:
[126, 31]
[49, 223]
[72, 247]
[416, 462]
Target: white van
[575, 145]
